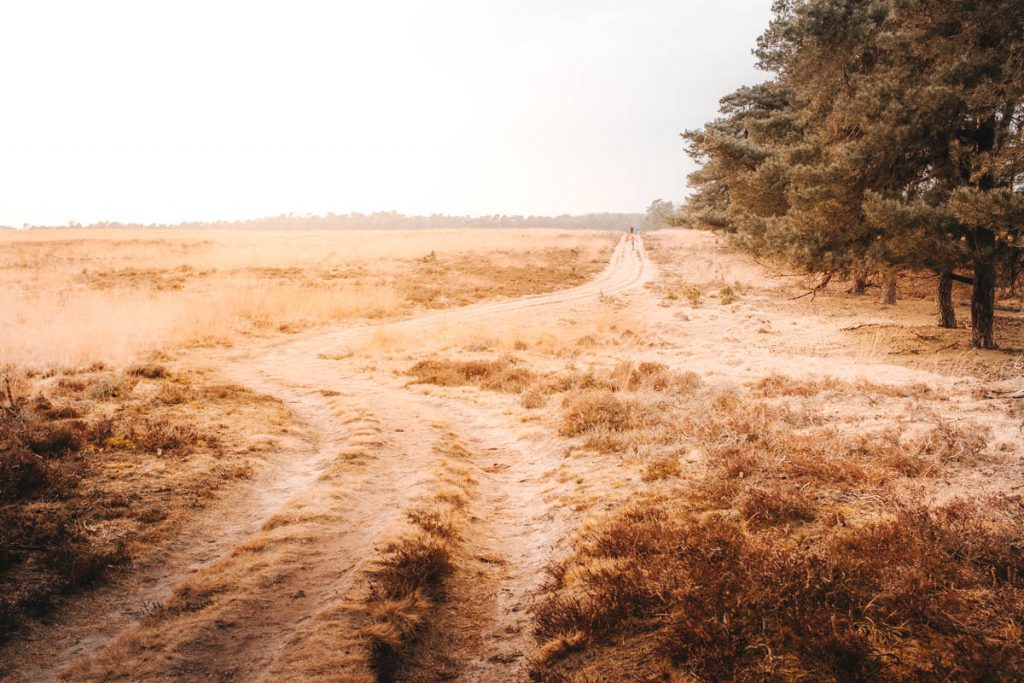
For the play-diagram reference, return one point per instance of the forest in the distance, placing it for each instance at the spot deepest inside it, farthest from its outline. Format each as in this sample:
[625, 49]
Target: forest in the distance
[389, 220]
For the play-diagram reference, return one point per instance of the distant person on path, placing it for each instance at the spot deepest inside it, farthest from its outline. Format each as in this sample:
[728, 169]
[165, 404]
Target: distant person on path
[632, 238]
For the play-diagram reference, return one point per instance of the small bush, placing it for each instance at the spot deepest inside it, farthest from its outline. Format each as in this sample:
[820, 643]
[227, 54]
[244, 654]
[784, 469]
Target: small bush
[593, 409]
[726, 295]
[775, 505]
[149, 371]
[504, 374]
[661, 468]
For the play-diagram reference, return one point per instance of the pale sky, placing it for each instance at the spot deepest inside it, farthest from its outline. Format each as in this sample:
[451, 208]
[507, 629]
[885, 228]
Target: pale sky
[203, 110]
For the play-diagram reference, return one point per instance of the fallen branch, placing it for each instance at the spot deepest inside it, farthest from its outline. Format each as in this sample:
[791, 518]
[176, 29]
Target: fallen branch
[812, 293]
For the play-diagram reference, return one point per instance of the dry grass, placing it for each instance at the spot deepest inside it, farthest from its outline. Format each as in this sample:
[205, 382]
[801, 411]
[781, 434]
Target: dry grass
[505, 374]
[776, 385]
[794, 552]
[94, 465]
[924, 593]
[609, 409]
[72, 297]
[411, 573]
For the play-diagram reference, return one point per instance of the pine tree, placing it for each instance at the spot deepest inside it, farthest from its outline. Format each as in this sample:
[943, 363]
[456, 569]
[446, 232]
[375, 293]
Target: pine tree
[889, 139]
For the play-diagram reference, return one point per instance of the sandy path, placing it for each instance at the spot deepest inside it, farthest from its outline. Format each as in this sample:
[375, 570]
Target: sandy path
[360, 505]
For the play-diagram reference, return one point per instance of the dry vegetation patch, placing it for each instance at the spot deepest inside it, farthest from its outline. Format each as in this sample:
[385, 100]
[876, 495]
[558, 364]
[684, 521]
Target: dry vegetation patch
[411, 573]
[96, 463]
[794, 552]
[923, 593]
[74, 297]
[505, 374]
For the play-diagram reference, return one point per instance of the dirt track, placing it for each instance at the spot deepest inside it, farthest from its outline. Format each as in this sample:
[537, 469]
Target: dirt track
[363, 455]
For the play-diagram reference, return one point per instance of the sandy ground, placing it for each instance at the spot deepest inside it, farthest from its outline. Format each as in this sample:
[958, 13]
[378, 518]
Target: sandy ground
[275, 565]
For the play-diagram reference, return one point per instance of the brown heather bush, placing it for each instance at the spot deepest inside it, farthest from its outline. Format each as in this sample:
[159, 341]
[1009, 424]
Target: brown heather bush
[598, 409]
[504, 374]
[794, 557]
[776, 385]
[775, 505]
[924, 594]
[746, 441]
[149, 371]
[44, 549]
[53, 444]
[661, 468]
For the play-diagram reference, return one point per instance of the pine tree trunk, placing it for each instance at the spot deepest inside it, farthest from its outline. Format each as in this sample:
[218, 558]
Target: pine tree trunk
[947, 314]
[983, 298]
[860, 283]
[889, 288]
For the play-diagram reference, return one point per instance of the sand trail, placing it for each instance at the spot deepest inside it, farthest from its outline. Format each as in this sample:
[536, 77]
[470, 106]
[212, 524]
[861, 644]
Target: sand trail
[273, 556]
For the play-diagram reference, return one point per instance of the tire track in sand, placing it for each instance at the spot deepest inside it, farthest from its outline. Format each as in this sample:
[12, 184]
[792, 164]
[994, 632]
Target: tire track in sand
[514, 522]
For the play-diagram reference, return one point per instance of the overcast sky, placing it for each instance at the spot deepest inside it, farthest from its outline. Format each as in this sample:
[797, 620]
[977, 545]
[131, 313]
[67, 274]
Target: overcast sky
[181, 110]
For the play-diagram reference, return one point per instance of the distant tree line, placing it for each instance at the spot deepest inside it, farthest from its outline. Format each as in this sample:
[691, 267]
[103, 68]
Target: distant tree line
[390, 220]
[889, 138]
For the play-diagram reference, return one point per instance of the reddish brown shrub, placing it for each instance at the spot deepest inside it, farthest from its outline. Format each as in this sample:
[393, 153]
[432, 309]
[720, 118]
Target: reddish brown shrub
[930, 593]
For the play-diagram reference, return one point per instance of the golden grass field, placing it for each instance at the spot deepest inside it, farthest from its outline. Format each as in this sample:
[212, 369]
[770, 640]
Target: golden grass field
[73, 297]
[382, 456]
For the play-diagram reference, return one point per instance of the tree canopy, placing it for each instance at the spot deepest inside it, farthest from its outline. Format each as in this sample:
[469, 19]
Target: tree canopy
[889, 138]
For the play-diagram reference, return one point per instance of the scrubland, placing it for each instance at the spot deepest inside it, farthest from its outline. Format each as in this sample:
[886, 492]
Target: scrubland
[688, 474]
[117, 426]
[796, 505]
[74, 297]
[97, 465]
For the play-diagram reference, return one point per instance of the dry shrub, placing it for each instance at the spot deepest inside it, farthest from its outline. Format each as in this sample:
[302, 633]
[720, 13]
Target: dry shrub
[404, 586]
[505, 374]
[770, 505]
[535, 397]
[149, 371]
[65, 514]
[747, 441]
[729, 416]
[776, 385]
[599, 410]
[108, 387]
[795, 557]
[923, 594]
[726, 295]
[661, 468]
[618, 408]
[631, 376]
[173, 394]
[948, 443]
[780, 385]
[138, 432]
[418, 562]
[44, 547]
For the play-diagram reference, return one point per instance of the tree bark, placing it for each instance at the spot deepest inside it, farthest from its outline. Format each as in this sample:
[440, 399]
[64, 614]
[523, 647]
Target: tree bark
[983, 297]
[947, 314]
[860, 283]
[889, 288]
